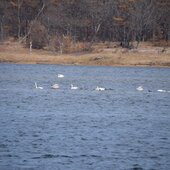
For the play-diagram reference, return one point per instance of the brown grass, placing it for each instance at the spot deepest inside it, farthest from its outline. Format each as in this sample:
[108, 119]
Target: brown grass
[103, 54]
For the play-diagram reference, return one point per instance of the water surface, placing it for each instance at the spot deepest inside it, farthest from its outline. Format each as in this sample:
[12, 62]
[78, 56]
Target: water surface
[120, 128]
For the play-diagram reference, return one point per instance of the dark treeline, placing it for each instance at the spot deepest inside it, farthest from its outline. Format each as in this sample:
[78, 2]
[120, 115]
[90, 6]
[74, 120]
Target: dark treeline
[42, 22]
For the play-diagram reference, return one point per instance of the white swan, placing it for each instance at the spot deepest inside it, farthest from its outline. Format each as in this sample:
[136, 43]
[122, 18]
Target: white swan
[55, 86]
[73, 87]
[100, 88]
[160, 90]
[60, 75]
[38, 87]
[140, 88]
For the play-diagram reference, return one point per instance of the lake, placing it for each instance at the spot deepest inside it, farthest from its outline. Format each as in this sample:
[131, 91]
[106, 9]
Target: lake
[116, 129]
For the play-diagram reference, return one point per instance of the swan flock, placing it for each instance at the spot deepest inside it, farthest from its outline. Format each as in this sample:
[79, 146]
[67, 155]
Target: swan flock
[72, 87]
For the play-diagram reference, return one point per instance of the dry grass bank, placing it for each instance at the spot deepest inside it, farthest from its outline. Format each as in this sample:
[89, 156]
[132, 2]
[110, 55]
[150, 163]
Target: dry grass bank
[103, 54]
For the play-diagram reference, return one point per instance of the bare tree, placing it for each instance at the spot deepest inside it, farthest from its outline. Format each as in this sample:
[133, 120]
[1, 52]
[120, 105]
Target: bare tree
[3, 13]
[142, 19]
[19, 4]
[34, 21]
[163, 18]
[88, 20]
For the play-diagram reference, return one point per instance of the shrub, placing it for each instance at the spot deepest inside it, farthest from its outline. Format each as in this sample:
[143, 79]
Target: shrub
[65, 44]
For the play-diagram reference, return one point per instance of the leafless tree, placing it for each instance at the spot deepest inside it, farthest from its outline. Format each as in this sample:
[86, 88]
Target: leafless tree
[19, 4]
[125, 21]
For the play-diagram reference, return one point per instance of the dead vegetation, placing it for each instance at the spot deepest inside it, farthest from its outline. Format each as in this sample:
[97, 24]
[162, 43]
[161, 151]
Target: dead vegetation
[65, 44]
[102, 54]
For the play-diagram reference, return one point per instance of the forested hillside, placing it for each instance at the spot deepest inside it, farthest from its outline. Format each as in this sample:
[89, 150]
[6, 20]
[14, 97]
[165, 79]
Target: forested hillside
[54, 23]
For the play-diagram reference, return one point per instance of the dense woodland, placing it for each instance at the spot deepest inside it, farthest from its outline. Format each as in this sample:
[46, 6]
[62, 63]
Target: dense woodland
[53, 22]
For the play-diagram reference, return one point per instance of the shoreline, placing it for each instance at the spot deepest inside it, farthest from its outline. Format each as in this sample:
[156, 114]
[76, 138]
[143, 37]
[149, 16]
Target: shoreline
[144, 56]
[90, 65]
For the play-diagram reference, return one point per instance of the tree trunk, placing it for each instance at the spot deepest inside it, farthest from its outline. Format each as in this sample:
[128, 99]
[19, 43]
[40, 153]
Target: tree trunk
[2, 29]
[19, 19]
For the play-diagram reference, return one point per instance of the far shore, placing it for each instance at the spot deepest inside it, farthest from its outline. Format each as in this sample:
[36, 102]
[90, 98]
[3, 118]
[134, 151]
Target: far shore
[101, 55]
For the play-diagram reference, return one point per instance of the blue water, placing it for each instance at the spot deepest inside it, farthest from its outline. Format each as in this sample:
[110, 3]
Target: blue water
[117, 129]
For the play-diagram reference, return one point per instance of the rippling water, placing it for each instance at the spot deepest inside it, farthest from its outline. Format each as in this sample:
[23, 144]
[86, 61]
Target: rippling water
[117, 129]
